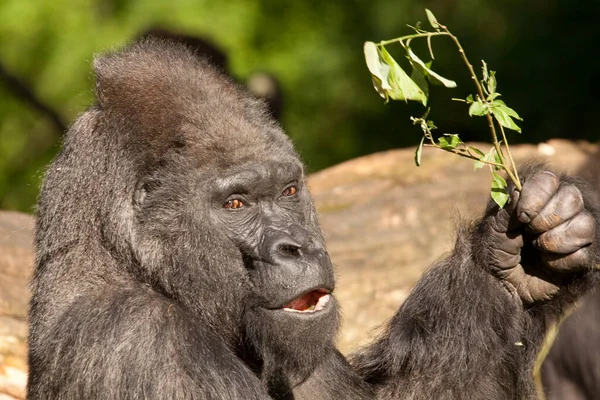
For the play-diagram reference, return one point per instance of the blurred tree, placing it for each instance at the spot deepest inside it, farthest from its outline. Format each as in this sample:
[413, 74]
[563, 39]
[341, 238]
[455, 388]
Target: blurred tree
[314, 48]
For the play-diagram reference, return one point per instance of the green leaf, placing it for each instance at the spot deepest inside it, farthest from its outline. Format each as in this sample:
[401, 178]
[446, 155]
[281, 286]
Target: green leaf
[470, 99]
[499, 157]
[478, 109]
[418, 77]
[379, 70]
[476, 150]
[490, 157]
[478, 164]
[501, 105]
[499, 190]
[492, 96]
[449, 141]
[389, 79]
[505, 120]
[491, 83]
[433, 76]
[419, 152]
[432, 20]
[484, 71]
[403, 88]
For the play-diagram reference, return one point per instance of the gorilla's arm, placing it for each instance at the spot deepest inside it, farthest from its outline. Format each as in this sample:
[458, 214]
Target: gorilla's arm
[474, 325]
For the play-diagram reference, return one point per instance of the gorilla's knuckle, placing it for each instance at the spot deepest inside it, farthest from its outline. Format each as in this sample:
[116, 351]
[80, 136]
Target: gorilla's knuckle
[565, 204]
[582, 227]
[570, 199]
[537, 191]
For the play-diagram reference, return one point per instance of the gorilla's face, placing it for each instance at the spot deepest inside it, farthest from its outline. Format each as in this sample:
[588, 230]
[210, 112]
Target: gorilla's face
[265, 209]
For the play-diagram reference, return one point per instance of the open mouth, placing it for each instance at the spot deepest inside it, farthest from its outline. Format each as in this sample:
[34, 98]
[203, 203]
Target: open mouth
[312, 301]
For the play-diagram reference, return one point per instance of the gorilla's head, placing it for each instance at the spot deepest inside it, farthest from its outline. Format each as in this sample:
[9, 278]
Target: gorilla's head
[199, 195]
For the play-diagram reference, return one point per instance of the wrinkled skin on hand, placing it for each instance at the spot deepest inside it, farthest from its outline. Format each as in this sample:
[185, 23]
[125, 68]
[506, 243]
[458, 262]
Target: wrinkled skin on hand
[545, 232]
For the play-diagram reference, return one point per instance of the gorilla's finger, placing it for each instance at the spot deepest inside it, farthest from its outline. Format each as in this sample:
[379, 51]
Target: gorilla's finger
[505, 219]
[511, 242]
[568, 237]
[506, 249]
[566, 203]
[576, 261]
[529, 288]
[504, 260]
[533, 288]
[536, 192]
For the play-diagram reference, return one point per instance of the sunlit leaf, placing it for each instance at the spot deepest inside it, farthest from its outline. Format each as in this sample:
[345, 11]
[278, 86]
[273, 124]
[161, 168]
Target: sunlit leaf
[505, 120]
[419, 152]
[499, 191]
[379, 70]
[418, 77]
[498, 158]
[484, 71]
[491, 156]
[499, 104]
[470, 99]
[477, 108]
[476, 150]
[432, 20]
[478, 164]
[433, 76]
[491, 82]
[403, 88]
[449, 141]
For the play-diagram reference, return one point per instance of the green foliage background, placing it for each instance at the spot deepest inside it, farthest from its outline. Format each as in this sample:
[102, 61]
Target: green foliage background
[543, 51]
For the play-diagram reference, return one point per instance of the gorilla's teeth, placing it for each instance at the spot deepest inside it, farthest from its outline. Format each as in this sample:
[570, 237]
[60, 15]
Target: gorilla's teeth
[321, 303]
[323, 300]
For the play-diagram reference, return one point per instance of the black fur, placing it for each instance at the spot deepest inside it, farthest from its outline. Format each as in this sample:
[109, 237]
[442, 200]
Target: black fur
[572, 369]
[152, 283]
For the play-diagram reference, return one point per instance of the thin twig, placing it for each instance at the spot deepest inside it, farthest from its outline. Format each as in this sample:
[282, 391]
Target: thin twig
[469, 156]
[510, 157]
[413, 36]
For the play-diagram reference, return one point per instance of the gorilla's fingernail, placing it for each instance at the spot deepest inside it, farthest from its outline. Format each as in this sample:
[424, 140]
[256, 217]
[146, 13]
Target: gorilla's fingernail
[523, 217]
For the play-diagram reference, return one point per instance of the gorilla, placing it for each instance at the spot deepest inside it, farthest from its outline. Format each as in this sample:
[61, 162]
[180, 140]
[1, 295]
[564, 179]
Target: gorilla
[179, 256]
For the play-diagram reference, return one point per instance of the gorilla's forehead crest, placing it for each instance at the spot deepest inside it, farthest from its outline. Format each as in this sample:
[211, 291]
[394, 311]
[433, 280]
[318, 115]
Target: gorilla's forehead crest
[166, 96]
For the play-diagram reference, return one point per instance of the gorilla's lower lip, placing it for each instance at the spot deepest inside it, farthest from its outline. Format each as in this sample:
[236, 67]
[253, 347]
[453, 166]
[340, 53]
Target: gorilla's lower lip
[310, 302]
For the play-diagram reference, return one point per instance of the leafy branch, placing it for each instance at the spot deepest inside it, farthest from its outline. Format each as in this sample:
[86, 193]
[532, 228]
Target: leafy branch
[392, 82]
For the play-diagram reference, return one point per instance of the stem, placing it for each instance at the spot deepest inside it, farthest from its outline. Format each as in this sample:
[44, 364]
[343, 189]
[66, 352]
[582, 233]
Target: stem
[469, 156]
[413, 36]
[514, 168]
[488, 116]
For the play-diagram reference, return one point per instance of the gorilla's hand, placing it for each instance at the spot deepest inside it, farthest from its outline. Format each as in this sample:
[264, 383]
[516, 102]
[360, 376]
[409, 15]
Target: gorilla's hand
[543, 234]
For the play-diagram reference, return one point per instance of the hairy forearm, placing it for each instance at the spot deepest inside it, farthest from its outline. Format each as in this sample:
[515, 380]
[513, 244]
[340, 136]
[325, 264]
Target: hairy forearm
[461, 333]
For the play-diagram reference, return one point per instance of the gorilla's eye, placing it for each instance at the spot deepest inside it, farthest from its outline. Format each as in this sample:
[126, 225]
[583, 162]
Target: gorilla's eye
[289, 191]
[233, 204]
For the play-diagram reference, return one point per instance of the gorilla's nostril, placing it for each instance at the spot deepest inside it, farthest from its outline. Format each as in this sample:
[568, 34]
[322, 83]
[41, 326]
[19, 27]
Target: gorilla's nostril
[289, 250]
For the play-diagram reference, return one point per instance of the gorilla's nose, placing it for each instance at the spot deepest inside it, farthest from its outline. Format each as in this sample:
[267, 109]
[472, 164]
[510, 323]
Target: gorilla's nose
[286, 248]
